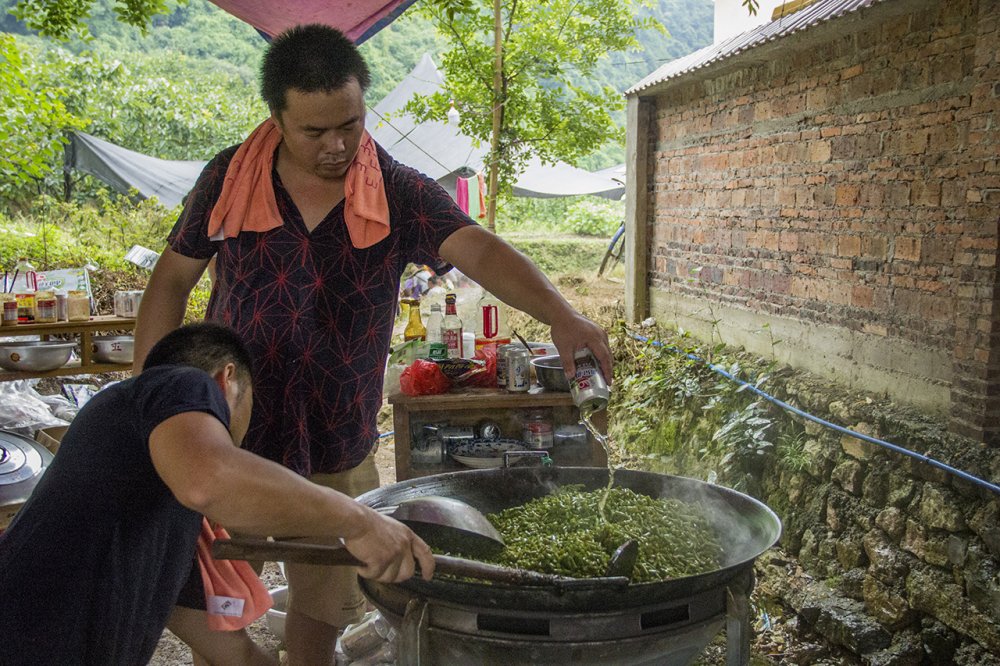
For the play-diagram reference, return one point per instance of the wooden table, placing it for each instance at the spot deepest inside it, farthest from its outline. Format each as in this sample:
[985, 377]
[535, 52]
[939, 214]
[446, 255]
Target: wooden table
[470, 407]
[85, 331]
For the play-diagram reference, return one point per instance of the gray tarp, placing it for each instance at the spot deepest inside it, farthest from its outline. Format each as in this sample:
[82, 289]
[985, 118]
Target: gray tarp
[123, 169]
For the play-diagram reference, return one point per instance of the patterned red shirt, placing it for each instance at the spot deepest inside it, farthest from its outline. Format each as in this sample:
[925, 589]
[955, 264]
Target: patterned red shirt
[316, 312]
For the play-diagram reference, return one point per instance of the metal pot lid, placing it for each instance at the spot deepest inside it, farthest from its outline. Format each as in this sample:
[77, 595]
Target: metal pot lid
[22, 462]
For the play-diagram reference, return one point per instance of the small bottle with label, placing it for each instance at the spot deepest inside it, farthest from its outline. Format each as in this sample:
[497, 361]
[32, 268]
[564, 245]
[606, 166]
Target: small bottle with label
[451, 328]
[26, 296]
[434, 321]
[536, 429]
[415, 329]
[45, 307]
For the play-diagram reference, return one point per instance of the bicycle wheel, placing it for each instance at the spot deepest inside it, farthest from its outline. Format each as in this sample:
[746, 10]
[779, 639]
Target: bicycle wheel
[614, 252]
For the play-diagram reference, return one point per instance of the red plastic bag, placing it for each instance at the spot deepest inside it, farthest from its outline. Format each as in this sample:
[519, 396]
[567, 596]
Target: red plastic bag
[424, 377]
[487, 378]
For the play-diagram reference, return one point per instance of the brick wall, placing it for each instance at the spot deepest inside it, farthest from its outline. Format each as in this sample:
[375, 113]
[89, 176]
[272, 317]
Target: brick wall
[846, 178]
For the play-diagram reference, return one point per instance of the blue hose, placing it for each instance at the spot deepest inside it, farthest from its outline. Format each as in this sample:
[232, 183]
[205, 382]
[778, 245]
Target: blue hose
[833, 426]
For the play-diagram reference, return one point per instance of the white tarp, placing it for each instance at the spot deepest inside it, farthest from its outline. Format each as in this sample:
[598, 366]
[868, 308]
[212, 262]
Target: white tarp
[442, 152]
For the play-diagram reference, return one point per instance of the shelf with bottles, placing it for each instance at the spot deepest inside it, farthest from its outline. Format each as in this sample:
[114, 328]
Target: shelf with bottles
[416, 418]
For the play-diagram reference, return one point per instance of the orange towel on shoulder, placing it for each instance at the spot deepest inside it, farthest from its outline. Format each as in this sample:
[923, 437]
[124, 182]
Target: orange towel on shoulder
[247, 201]
[234, 595]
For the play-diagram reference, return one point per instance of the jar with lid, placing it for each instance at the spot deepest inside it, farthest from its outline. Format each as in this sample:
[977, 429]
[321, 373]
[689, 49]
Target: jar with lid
[77, 305]
[9, 304]
[45, 307]
[536, 428]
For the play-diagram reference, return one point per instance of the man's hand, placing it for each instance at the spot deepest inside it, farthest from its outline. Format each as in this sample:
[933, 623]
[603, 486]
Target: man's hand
[390, 551]
[574, 332]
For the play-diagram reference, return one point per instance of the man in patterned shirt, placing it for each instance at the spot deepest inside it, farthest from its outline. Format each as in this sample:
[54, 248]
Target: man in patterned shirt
[313, 291]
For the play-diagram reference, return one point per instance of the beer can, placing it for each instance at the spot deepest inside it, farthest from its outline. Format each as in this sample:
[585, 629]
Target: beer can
[502, 365]
[588, 388]
[518, 369]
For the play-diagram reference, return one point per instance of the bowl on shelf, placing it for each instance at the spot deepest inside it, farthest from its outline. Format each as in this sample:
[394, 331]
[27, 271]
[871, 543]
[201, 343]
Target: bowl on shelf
[35, 356]
[113, 348]
[485, 453]
[549, 372]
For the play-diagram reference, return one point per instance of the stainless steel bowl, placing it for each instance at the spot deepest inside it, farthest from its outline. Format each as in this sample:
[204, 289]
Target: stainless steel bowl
[113, 348]
[34, 356]
[549, 371]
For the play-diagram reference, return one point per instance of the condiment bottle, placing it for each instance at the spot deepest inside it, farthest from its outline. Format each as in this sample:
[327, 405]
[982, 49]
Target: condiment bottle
[451, 328]
[491, 322]
[537, 429]
[62, 309]
[26, 297]
[415, 329]
[77, 305]
[434, 321]
[9, 316]
[45, 307]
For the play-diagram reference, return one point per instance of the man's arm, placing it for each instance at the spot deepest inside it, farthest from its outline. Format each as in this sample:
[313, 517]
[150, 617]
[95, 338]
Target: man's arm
[511, 277]
[164, 301]
[194, 455]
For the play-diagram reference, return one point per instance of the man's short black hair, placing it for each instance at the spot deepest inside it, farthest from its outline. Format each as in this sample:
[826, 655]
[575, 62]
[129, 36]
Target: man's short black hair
[310, 58]
[206, 345]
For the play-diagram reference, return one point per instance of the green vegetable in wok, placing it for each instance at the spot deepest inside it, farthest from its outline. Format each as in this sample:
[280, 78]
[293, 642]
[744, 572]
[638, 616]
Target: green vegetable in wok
[564, 534]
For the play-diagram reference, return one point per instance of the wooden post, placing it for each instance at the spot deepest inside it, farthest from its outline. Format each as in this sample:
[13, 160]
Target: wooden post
[638, 126]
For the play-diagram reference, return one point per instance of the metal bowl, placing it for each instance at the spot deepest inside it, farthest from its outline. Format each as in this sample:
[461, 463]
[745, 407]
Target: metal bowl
[549, 371]
[113, 348]
[34, 356]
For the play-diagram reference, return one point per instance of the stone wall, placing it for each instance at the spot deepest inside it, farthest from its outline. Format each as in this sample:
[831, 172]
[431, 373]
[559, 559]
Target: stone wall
[904, 556]
[838, 189]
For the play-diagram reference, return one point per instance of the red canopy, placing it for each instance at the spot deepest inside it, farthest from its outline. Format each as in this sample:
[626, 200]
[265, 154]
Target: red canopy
[358, 19]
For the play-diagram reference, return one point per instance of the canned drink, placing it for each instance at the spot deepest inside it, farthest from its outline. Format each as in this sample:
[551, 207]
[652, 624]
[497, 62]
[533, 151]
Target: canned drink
[518, 370]
[589, 390]
[502, 365]
[488, 430]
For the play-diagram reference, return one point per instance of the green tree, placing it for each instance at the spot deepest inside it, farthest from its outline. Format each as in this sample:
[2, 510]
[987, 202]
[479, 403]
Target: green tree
[167, 105]
[33, 117]
[63, 19]
[511, 69]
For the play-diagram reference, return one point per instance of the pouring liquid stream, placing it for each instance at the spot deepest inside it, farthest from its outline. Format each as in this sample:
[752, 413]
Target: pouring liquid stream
[606, 443]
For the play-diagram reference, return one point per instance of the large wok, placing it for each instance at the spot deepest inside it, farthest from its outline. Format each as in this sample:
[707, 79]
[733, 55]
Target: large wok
[745, 526]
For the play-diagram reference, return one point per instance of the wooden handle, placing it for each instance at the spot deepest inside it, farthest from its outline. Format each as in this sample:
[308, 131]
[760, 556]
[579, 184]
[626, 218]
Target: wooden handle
[282, 551]
[313, 553]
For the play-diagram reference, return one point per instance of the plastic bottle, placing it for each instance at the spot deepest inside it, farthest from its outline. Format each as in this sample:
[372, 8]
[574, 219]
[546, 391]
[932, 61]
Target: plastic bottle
[491, 322]
[26, 297]
[415, 329]
[451, 329]
[434, 321]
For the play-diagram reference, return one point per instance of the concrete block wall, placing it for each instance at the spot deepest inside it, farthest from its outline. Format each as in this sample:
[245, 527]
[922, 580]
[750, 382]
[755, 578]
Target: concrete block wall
[842, 184]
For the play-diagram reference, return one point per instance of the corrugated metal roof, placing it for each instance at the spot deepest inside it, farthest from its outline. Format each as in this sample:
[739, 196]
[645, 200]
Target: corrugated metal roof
[807, 17]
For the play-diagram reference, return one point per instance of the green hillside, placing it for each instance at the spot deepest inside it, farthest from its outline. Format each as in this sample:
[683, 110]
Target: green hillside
[201, 30]
[198, 39]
